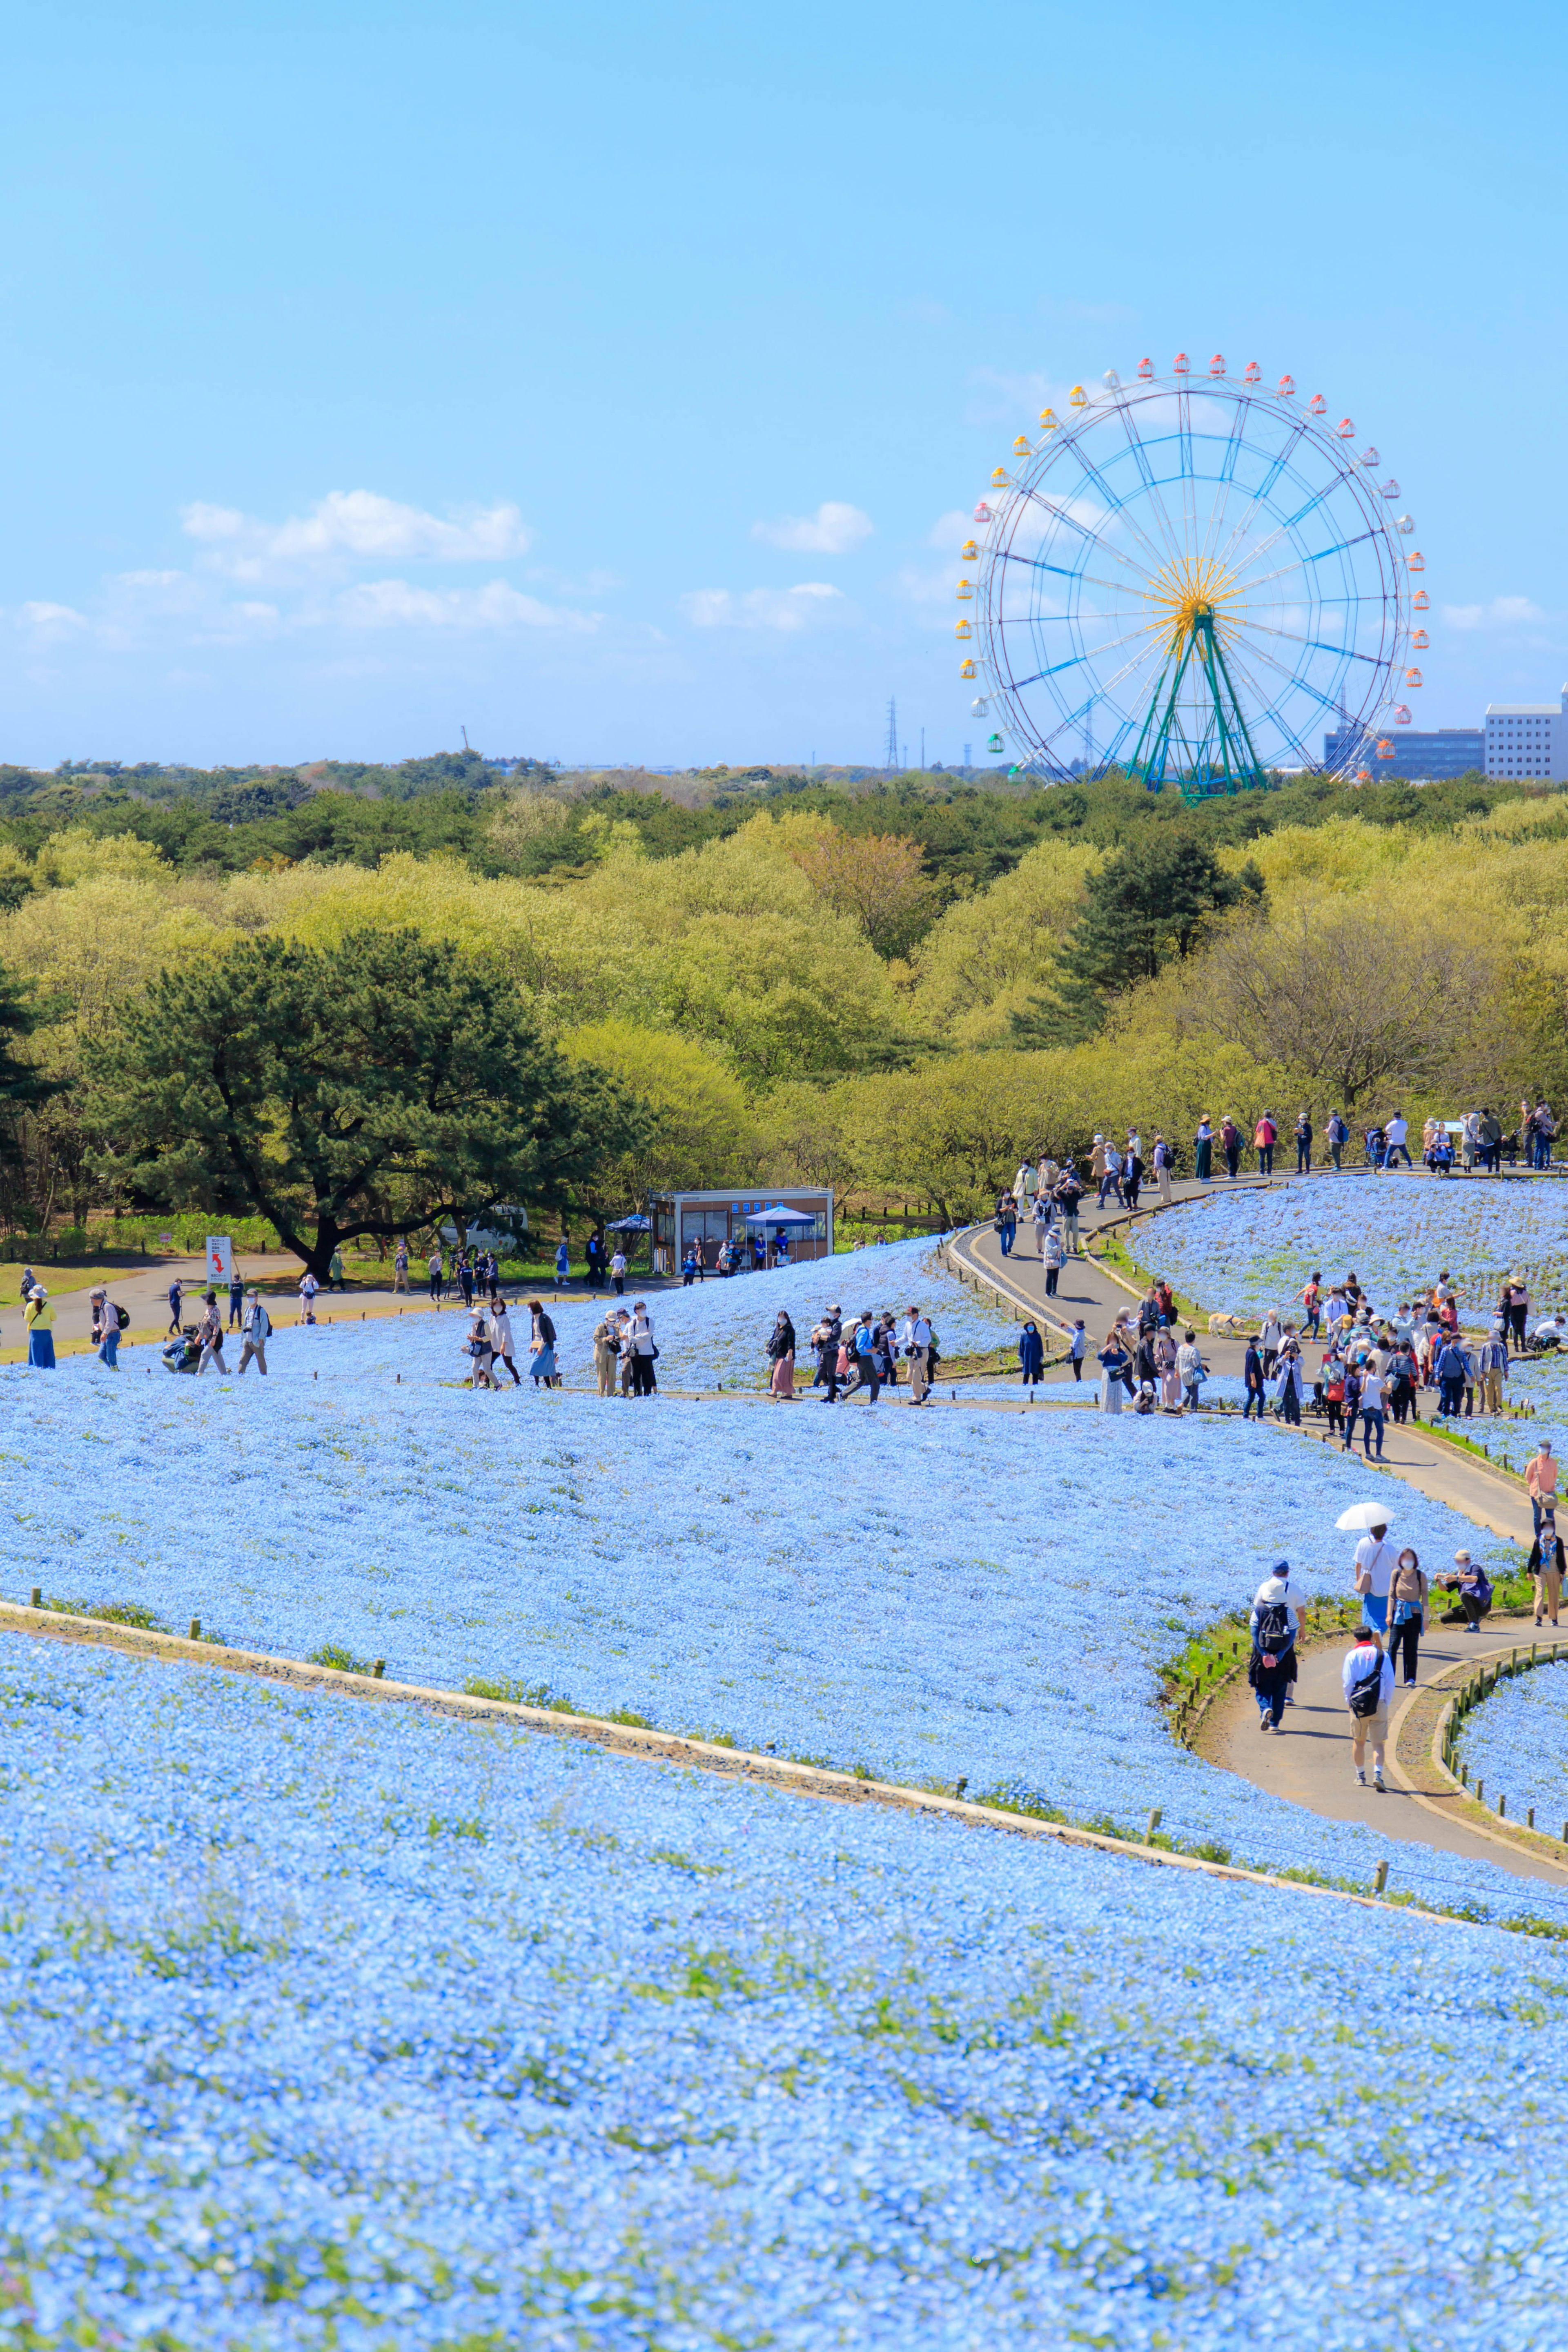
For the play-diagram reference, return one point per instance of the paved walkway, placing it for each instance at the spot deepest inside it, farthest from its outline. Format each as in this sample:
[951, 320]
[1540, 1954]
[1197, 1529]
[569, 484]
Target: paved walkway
[1310, 1762]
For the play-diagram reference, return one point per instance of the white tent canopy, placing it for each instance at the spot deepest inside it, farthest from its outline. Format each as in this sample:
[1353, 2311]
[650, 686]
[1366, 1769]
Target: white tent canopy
[780, 1217]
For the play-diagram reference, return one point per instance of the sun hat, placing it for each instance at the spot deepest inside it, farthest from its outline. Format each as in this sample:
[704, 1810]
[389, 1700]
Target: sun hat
[1462, 1559]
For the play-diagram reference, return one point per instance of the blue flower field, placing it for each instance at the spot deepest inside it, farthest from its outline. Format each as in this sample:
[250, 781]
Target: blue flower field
[1516, 1742]
[1245, 1252]
[330, 2026]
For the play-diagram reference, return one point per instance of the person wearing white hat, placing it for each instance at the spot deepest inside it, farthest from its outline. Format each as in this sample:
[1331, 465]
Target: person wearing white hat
[39, 1319]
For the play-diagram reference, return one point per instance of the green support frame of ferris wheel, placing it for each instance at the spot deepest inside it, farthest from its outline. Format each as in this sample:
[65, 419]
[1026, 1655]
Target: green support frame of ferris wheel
[1223, 759]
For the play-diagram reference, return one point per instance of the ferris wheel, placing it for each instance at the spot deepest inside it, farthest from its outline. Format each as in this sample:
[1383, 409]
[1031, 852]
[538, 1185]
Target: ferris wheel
[1196, 582]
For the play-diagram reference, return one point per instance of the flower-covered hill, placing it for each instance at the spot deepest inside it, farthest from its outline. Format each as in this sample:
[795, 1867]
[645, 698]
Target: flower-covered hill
[1245, 1251]
[924, 1595]
[331, 2028]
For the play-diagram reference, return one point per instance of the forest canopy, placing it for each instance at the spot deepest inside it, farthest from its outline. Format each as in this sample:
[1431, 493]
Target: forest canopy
[896, 984]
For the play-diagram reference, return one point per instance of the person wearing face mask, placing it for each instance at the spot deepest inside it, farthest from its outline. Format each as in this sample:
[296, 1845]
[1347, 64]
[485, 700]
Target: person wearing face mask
[1407, 1613]
[1546, 1565]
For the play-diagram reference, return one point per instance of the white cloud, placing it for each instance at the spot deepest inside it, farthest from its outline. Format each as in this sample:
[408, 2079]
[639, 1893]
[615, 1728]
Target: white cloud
[53, 620]
[760, 608]
[394, 603]
[1502, 612]
[349, 526]
[834, 529]
[950, 530]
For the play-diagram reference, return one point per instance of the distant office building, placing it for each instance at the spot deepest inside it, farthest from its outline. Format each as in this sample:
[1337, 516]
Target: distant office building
[1528, 738]
[1448, 752]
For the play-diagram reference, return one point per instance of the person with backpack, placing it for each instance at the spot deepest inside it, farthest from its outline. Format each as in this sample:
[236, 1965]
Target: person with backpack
[1406, 1612]
[209, 1331]
[827, 1339]
[1367, 1679]
[918, 1349]
[1546, 1565]
[1278, 1609]
[255, 1331]
[863, 1358]
[107, 1322]
[1449, 1370]
[1230, 1144]
[1165, 1160]
[1339, 1134]
[1312, 1305]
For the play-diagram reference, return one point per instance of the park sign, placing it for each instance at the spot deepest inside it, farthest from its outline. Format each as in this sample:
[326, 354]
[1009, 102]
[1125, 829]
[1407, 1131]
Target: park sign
[220, 1258]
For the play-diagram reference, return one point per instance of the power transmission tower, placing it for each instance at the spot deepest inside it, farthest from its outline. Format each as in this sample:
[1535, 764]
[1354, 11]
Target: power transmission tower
[891, 757]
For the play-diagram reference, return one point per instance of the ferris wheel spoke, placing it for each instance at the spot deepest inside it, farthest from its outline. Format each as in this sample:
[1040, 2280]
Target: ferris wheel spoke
[1141, 457]
[1118, 506]
[1234, 448]
[1318, 644]
[1091, 538]
[1293, 680]
[1281, 459]
[1064, 572]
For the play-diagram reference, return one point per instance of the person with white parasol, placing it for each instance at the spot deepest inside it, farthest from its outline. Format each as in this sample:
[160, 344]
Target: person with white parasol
[1376, 1560]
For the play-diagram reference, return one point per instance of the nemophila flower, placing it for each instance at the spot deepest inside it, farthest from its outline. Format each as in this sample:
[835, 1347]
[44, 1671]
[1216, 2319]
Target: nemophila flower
[337, 2025]
[1516, 1742]
[988, 1595]
[1246, 1251]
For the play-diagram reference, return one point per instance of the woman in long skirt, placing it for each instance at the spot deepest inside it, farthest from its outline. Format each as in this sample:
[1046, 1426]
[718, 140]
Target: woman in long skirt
[1114, 1362]
[781, 1347]
[1170, 1382]
[40, 1318]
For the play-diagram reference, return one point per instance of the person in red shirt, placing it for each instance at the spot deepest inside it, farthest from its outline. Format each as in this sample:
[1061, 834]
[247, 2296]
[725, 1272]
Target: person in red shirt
[1263, 1136]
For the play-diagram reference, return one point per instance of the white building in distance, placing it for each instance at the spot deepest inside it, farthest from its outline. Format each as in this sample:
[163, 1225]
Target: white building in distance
[1528, 738]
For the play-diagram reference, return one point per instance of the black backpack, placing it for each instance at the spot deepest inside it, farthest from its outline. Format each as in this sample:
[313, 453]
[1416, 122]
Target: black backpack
[1366, 1696]
[1274, 1628]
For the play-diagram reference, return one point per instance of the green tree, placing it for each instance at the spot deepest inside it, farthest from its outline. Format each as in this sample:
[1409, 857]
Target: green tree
[375, 1087]
[1149, 905]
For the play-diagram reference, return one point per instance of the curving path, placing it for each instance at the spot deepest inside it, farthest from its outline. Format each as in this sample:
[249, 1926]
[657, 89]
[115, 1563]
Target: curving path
[1309, 1762]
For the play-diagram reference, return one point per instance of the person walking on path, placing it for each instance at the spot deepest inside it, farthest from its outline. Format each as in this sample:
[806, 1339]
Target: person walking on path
[917, 1347]
[1040, 1216]
[40, 1319]
[400, 1267]
[1031, 1356]
[1292, 1386]
[1252, 1378]
[562, 1263]
[1491, 1370]
[1474, 1589]
[1165, 1160]
[438, 1274]
[1449, 1370]
[1132, 1173]
[1263, 1136]
[1372, 1388]
[1277, 1610]
[1312, 1307]
[254, 1332]
[1068, 1193]
[863, 1357]
[235, 1302]
[1230, 1144]
[1367, 1679]
[1202, 1150]
[465, 1278]
[1270, 1338]
[1053, 1250]
[1115, 1370]
[781, 1355]
[1541, 1480]
[309, 1287]
[1006, 1222]
[106, 1327]
[1304, 1143]
[176, 1293]
[1191, 1370]
[1395, 1135]
[1111, 1177]
[1374, 1565]
[501, 1340]
[480, 1351]
[1078, 1348]
[1407, 1613]
[618, 1271]
[209, 1332]
[541, 1347]
[335, 1271]
[1546, 1565]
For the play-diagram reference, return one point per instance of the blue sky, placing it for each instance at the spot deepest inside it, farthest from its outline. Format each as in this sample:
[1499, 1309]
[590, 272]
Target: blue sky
[599, 378]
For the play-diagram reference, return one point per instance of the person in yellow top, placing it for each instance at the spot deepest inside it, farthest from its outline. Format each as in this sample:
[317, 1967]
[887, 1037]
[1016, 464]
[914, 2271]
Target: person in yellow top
[39, 1319]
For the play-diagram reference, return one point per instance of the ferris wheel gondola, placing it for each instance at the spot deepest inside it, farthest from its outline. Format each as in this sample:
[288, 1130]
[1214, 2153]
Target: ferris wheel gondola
[1192, 579]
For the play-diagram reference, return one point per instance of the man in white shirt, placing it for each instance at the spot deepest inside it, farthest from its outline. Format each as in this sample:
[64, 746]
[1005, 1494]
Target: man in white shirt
[1394, 1132]
[1374, 1564]
[1372, 1388]
[1367, 1678]
[917, 1347]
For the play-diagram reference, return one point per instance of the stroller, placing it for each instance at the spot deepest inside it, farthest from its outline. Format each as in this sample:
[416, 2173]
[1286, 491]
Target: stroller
[1376, 1147]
